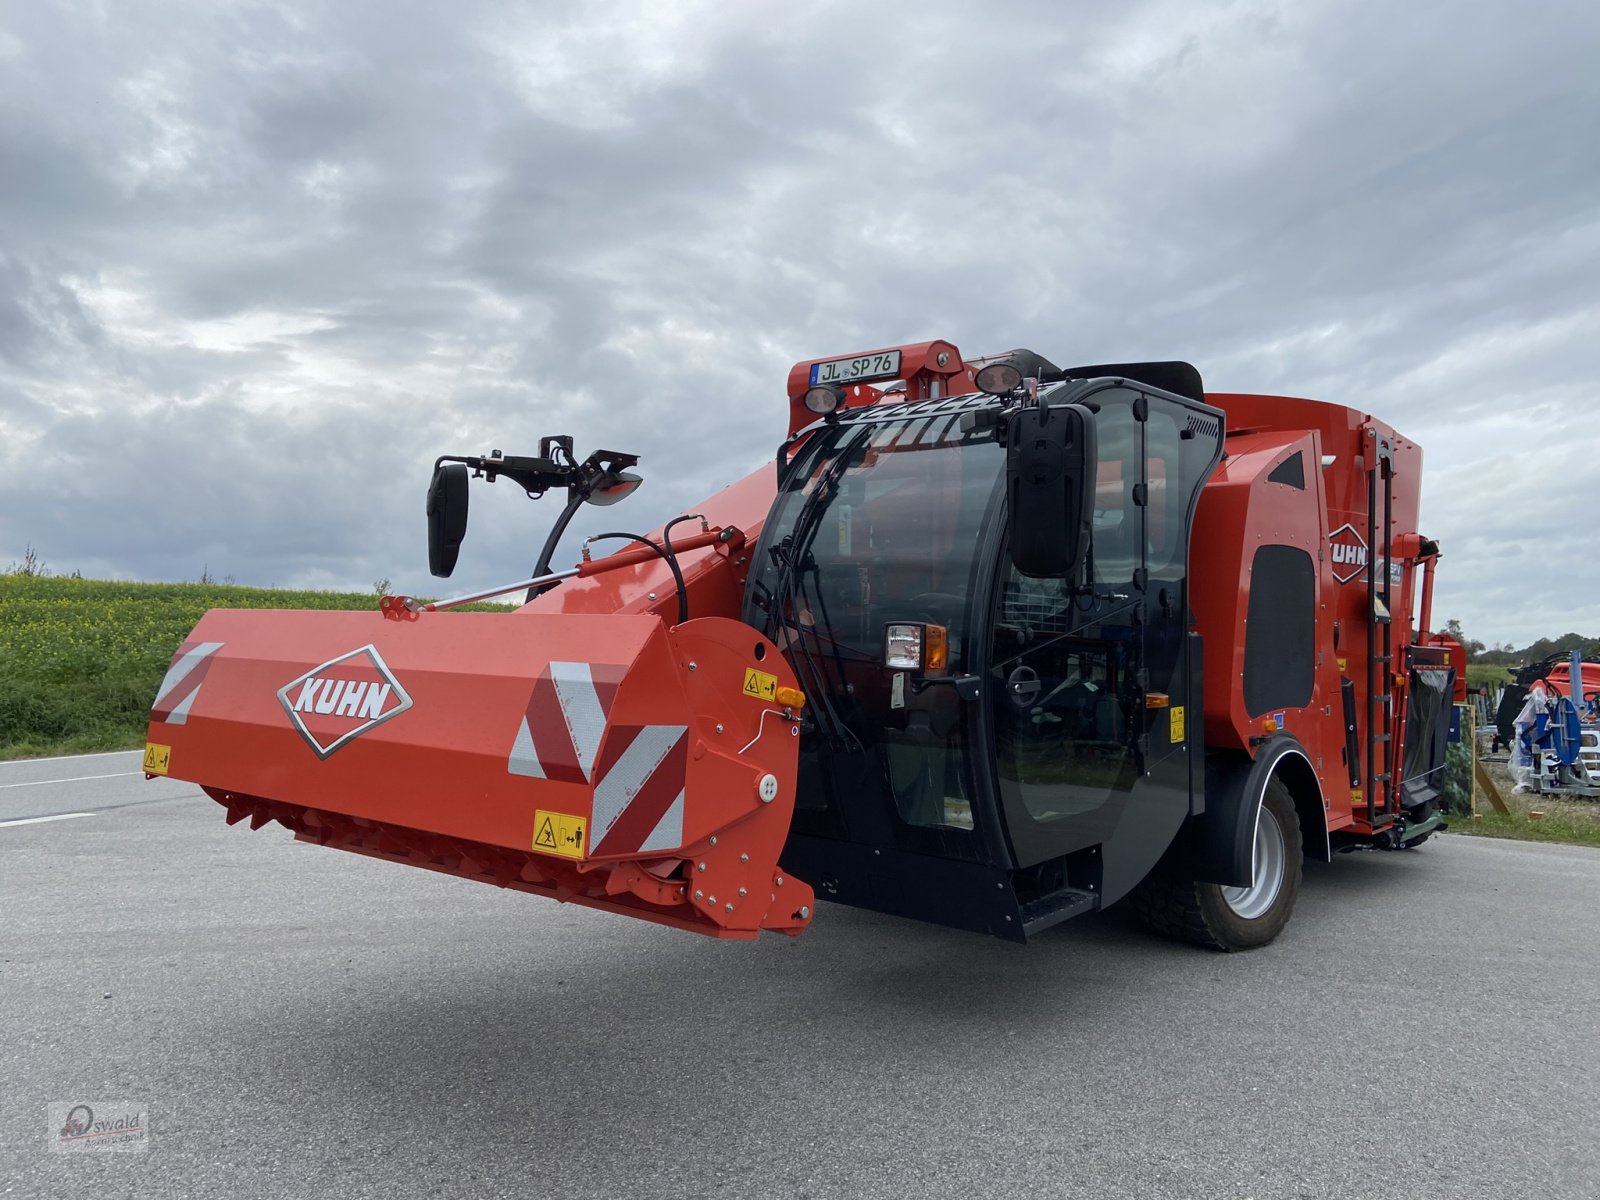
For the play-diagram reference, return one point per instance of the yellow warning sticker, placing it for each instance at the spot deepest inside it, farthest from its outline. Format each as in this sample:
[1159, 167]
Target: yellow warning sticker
[157, 758]
[558, 833]
[760, 685]
[1179, 725]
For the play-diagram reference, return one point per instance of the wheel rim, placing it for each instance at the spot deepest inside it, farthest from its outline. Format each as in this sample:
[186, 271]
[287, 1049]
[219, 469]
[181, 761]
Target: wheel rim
[1267, 880]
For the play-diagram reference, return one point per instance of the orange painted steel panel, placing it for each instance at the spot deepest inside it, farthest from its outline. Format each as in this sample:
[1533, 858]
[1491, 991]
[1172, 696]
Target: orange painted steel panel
[1241, 510]
[599, 759]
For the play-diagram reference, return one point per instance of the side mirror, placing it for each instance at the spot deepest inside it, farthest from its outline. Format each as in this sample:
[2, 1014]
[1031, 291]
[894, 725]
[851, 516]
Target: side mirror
[447, 516]
[1051, 458]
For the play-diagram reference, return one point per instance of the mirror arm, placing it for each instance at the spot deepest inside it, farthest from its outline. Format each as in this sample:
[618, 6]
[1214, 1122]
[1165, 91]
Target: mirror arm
[533, 475]
[575, 498]
[602, 479]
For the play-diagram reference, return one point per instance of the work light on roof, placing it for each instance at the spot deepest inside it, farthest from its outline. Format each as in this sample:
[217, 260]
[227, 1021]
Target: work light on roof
[824, 398]
[998, 379]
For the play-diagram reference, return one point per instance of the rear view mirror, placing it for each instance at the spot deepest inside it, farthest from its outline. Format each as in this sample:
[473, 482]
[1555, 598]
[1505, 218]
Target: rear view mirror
[447, 516]
[1051, 460]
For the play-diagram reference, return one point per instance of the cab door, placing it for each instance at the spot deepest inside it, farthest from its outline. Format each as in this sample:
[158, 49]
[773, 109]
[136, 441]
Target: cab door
[894, 521]
[1089, 678]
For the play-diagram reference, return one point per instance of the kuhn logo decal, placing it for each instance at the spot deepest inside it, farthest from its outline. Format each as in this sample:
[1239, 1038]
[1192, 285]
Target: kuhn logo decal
[342, 699]
[1349, 551]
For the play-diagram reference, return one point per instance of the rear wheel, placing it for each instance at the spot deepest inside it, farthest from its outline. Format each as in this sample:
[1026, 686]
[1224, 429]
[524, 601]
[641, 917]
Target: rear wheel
[1234, 918]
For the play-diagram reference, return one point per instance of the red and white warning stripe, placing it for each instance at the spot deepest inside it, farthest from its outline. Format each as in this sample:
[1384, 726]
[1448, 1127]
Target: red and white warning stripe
[175, 696]
[566, 717]
[638, 775]
[638, 803]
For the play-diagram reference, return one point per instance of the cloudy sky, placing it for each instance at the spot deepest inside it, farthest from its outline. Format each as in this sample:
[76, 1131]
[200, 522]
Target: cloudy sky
[261, 262]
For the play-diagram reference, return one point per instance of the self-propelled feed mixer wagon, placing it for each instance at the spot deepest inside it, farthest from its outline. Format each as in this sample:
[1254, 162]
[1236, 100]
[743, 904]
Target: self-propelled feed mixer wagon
[992, 643]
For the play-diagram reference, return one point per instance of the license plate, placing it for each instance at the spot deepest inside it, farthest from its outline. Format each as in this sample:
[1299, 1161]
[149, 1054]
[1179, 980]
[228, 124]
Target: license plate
[858, 369]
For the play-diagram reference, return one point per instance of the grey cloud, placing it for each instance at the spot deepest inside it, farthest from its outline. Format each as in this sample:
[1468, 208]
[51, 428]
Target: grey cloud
[260, 264]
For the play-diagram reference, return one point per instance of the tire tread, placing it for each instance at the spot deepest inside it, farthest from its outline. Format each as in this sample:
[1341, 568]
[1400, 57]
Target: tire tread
[1171, 907]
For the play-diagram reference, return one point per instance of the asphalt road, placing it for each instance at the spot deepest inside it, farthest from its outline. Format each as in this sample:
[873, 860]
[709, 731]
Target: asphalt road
[301, 1022]
[45, 790]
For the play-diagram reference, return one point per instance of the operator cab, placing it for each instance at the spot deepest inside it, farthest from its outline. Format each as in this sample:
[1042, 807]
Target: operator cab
[986, 746]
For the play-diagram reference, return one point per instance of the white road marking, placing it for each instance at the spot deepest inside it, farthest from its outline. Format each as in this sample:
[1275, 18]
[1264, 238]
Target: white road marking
[22, 762]
[74, 779]
[41, 820]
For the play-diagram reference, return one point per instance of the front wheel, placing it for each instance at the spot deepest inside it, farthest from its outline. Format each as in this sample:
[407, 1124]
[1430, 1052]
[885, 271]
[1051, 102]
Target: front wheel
[1234, 918]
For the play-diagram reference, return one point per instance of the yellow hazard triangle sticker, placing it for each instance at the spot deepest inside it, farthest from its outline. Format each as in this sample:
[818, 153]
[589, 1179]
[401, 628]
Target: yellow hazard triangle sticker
[760, 685]
[559, 833]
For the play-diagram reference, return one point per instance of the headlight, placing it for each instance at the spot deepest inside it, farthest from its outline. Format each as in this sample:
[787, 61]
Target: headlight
[916, 647]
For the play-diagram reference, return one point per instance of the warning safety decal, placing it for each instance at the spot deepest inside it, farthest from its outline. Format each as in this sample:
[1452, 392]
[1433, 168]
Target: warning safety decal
[760, 685]
[157, 758]
[558, 833]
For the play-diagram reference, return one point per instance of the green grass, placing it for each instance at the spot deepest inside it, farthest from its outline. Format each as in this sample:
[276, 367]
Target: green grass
[1573, 828]
[80, 659]
[1485, 673]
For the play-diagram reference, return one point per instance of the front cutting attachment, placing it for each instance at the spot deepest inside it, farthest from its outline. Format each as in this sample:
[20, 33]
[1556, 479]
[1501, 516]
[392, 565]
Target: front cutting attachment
[605, 760]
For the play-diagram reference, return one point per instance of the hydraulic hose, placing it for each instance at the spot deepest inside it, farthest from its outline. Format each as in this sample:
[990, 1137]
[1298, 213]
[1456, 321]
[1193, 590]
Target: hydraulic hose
[666, 532]
[666, 556]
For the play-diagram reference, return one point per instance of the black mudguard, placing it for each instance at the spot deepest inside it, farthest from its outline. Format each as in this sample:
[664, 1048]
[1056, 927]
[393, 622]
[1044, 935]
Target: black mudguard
[1217, 846]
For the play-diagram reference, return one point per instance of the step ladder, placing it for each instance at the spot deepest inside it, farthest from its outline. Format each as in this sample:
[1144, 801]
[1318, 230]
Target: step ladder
[1380, 794]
